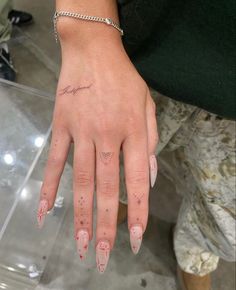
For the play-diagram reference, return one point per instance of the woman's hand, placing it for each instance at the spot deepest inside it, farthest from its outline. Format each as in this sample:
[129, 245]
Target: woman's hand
[102, 106]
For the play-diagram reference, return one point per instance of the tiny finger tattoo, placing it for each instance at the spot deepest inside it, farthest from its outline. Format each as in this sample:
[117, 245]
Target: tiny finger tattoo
[138, 197]
[106, 157]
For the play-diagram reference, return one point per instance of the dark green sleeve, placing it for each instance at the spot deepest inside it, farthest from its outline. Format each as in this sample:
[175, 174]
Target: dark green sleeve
[185, 49]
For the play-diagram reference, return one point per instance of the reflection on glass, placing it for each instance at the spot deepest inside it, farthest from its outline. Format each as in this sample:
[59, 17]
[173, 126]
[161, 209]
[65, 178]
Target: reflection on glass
[26, 115]
[3, 286]
[34, 272]
[38, 141]
[21, 266]
[9, 159]
[25, 194]
[11, 269]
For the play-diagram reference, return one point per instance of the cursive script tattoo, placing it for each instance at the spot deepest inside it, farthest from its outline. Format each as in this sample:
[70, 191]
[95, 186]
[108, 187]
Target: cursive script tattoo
[69, 90]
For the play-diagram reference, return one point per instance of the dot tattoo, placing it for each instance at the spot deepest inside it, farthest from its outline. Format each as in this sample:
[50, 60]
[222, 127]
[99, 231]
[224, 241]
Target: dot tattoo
[138, 197]
[81, 201]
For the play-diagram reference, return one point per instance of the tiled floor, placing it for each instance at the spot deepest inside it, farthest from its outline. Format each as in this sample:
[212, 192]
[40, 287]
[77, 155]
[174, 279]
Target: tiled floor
[37, 59]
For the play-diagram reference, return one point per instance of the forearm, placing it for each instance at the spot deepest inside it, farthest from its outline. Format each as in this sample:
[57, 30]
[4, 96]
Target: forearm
[88, 34]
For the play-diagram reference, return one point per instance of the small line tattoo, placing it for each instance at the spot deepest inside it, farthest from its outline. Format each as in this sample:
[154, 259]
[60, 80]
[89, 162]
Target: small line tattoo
[106, 157]
[69, 90]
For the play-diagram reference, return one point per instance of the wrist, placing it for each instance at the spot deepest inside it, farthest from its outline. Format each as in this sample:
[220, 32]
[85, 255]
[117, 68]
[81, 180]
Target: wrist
[87, 36]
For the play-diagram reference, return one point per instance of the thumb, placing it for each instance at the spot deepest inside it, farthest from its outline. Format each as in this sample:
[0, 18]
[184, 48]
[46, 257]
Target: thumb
[152, 137]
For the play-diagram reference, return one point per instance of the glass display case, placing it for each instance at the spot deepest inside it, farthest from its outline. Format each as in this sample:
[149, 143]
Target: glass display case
[25, 117]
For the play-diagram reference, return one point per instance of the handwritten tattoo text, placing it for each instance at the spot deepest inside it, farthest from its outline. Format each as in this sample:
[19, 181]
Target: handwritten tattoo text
[70, 90]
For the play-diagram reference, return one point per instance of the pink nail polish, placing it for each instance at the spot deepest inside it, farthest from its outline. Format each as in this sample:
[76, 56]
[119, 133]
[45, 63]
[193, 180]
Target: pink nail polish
[82, 243]
[136, 235]
[153, 169]
[42, 211]
[102, 255]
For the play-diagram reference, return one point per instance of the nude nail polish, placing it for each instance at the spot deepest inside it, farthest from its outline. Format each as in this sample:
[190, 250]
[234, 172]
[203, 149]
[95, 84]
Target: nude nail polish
[102, 255]
[153, 169]
[136, 235]
[82, 239]
[42, 211]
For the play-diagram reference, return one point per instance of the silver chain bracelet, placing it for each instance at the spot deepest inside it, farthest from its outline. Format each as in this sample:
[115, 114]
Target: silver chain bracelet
[107, 21]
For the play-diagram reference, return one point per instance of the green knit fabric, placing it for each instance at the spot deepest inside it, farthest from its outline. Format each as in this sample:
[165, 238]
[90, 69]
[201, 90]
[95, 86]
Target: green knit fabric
[185, 49]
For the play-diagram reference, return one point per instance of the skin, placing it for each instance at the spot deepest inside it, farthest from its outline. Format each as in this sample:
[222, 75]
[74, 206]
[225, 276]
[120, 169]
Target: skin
[103, 106]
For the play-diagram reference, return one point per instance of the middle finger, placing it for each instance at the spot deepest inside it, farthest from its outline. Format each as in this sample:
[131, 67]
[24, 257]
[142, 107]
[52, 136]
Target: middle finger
[107, 190]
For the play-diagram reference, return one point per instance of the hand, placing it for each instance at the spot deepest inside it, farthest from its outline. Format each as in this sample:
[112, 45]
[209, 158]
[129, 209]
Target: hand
[102, 106]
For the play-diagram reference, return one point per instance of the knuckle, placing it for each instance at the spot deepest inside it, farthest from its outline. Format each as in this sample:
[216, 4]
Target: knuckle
[102, 130]
[83, 213]
[108, 187]
[83, 178]
[137, 177]
[108, 225]
[105, 125]
[59, 129]
[137, 129]
[54, 161]
[48, 187]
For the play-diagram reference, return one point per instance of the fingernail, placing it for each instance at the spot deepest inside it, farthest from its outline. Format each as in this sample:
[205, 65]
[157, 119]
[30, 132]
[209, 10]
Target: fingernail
[42, 211]
[153, 169]
[136, 235]
[102, 255]
[82, 243]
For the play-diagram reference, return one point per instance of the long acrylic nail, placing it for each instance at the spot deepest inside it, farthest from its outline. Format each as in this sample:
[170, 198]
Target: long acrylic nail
[42, 211]
[82, 243]
[136, 235]
[102, 255]
[153, 169]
